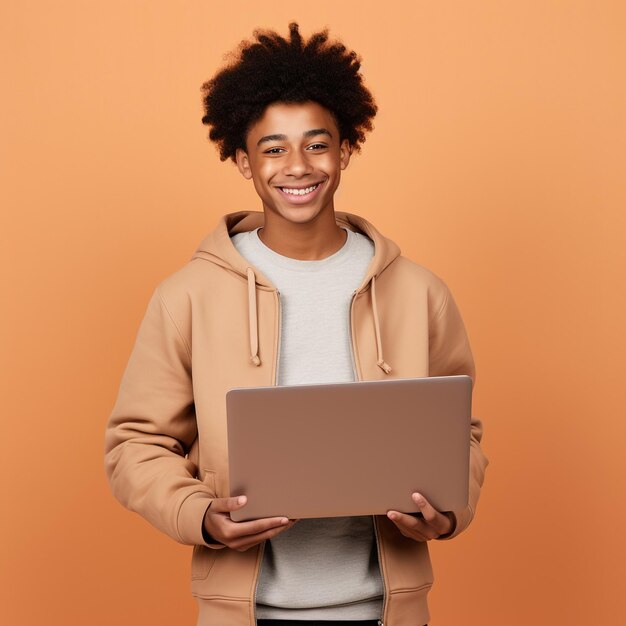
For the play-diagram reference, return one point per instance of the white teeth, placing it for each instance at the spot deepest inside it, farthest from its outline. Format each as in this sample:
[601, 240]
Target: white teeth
[299, 192]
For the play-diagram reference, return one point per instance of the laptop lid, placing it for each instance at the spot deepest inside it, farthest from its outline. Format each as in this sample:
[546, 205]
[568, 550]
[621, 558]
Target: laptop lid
[343, 449]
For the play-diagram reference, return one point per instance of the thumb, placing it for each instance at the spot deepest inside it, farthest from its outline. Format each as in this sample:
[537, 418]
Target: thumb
[224, 505]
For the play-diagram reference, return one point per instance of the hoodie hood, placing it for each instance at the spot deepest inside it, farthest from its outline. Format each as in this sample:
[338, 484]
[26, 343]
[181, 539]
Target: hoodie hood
[218, 248]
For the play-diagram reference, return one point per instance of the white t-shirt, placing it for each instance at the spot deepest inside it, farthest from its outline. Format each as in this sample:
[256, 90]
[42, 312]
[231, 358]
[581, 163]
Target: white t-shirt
[323, 568]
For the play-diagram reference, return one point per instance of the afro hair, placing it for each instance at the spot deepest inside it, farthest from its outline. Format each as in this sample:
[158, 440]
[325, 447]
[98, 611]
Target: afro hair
[275, 69]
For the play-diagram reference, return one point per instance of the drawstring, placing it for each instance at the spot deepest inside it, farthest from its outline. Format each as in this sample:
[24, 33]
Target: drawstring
[252, 318]
[254, 331]
[379, 345]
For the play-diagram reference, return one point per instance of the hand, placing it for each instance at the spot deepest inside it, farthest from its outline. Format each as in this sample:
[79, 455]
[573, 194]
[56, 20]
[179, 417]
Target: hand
[430, 526]
[240, 535]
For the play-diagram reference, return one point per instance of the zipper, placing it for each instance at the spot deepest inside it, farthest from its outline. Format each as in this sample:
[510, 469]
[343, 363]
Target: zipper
[274, 381]
[256, 583]
[382, 575]
[360, 377]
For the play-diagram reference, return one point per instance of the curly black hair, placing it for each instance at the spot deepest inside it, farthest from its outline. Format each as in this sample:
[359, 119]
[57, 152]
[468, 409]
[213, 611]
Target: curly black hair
[275, 69]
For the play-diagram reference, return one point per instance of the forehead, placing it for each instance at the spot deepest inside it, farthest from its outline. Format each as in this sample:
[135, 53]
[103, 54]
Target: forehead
[292, 119]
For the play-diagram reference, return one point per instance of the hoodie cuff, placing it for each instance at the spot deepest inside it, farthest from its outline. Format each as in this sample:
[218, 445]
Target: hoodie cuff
[191, 520]
[208, 539]
[460, 521]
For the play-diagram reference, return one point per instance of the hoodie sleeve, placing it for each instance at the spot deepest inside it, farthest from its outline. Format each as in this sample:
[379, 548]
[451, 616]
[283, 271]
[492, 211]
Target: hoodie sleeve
[151, 429]
[449, 355]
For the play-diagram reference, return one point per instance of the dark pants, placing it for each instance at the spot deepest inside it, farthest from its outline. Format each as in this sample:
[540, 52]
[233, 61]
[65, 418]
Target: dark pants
[295, 622]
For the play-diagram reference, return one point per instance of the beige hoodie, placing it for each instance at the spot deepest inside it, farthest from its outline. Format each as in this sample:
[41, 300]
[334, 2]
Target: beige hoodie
[214, 325]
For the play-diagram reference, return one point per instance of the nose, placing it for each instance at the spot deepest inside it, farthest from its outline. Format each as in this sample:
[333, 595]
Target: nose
[298, 164]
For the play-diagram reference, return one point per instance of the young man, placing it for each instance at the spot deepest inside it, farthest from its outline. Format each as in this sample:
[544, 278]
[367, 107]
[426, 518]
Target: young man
[296, 294]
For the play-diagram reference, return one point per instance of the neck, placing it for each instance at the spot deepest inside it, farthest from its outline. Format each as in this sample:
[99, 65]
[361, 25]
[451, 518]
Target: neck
[310, 241]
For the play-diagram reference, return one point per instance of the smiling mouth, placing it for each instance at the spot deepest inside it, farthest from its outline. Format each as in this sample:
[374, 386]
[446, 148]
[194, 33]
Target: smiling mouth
[302, 191]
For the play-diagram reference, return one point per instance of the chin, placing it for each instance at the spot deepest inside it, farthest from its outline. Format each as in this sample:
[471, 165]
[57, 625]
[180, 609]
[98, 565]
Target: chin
[299, 215]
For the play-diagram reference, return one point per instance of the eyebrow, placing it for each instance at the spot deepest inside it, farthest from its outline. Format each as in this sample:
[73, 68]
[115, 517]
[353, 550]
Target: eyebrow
[281, 137]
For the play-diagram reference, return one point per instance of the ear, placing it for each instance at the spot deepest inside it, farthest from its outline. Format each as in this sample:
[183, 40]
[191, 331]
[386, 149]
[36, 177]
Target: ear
[243, 163]
[344, 154]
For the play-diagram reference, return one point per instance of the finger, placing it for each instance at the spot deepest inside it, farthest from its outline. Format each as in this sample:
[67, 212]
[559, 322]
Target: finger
[245, 543]
[253, 527]
[225, 505]
[402, 519]
[414, 535]
[432, 517]
[411, 526]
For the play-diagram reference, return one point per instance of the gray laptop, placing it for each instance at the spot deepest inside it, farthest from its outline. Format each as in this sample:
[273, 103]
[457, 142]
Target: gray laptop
[358, 448]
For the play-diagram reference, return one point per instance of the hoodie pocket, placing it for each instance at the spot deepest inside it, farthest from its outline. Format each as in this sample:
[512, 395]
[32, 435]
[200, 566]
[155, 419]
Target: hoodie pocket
[209, 480]
[202, 561]
[203, 558]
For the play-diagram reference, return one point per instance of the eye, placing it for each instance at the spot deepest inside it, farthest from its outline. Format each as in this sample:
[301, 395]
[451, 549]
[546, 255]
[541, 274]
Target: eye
[271, 151]
[319, 145]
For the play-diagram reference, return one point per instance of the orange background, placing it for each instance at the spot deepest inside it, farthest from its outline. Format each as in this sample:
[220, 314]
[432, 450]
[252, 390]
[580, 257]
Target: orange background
[497, 161]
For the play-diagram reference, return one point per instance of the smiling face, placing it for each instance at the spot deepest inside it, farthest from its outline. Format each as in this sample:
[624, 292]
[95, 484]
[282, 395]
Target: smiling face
[295, 158]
